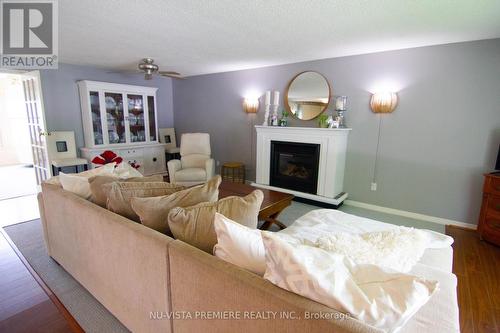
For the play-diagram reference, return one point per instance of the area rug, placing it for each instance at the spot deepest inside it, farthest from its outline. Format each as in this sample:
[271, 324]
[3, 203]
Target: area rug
[88, 312]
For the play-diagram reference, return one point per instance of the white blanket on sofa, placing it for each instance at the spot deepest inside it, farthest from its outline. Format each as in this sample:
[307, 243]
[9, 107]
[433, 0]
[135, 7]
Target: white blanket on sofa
[440, 313]
[319, 222]
[399, 248]
[377, 296]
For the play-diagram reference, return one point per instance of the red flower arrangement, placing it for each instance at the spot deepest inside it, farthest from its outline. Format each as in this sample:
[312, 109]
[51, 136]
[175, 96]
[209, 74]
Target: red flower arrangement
[107, 157]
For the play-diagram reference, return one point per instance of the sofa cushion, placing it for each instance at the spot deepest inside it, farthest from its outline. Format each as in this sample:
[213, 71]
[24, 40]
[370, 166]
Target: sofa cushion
[153, 212]
[190, 174]
[100, 196]
[194, 161]
[120, 194]
[78, 183]
[195, 143]
[195, 225]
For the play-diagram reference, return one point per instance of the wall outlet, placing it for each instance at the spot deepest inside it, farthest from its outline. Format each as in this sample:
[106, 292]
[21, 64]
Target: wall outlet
[374, 187]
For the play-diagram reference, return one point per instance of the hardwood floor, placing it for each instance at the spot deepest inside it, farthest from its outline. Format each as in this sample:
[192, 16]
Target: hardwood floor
[476, 264]
[26, 303]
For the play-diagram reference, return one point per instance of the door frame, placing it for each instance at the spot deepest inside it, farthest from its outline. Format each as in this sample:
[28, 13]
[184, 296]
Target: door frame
[40, 106]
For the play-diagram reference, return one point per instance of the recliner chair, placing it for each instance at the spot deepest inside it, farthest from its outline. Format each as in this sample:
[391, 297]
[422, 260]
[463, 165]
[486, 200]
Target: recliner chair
[195, 166]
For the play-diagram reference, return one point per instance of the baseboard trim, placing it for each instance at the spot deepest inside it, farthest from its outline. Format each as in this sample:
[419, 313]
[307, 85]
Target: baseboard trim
[333, 201]
[416, 216]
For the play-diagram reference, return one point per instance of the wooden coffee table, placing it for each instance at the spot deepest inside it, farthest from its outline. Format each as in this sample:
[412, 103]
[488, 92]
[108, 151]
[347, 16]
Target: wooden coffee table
[273, 204]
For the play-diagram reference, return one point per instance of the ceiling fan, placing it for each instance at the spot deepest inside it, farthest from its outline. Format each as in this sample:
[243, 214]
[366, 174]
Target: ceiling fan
[149, 68]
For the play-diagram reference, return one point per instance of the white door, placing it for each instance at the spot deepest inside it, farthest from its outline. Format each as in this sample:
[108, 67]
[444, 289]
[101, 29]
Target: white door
[36, 122]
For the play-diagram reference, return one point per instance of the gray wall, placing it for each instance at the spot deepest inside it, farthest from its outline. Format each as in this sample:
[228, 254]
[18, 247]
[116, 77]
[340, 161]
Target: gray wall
[62, 99]
[434, 148]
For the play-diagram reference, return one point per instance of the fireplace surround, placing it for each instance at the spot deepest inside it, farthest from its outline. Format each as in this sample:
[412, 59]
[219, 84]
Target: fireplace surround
[331, 146]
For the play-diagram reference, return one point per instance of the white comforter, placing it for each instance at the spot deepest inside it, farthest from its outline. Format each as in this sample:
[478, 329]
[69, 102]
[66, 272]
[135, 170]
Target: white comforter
[319, 222]
[440, 313]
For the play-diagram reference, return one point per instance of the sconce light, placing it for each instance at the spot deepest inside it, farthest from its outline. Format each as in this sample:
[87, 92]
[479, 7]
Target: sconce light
[384, 102]
[251, 105]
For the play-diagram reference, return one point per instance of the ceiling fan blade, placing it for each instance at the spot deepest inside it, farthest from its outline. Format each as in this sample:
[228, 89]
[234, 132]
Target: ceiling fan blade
[172, 75]
[124, 72]
[169, 73]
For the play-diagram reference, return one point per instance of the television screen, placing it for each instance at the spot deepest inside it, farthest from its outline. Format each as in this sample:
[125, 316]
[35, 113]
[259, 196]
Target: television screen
[497, 166]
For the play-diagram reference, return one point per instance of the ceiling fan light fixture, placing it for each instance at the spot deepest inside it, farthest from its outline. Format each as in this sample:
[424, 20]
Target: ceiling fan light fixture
[149, 68]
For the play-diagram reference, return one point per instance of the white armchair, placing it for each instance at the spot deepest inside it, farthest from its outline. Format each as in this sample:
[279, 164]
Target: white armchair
[195, 166]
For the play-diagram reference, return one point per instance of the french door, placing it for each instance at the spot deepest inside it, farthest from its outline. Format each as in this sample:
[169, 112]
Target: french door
[36, 122]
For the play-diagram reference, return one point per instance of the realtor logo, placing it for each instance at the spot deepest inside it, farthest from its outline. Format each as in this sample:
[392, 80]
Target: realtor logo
[29, 34]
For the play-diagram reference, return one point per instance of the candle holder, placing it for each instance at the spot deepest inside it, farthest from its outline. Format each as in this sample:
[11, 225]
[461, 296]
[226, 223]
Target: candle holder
[274, 117]
[341, 119]
[267, 107]
[341, 107]
[266, 115]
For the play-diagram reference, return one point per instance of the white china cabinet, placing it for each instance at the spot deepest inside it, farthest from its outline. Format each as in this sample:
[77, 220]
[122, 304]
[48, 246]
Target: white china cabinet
[122, 118]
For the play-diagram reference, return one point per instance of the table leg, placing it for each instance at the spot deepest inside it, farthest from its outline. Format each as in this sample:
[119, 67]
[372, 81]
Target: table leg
[272, 219]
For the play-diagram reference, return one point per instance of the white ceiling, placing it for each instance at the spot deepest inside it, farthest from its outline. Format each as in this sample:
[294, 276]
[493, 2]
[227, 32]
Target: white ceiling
[207, 36]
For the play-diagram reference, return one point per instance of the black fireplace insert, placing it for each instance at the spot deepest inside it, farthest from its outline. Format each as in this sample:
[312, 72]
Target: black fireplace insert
[294, 166]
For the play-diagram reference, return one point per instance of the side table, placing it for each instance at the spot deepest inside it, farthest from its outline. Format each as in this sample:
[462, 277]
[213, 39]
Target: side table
[233, 172]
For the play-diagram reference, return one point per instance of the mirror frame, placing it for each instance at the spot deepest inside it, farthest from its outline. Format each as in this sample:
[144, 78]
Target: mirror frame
[287, 106]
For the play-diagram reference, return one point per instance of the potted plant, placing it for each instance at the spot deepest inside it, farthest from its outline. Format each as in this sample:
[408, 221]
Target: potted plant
[284, 119]
[323, 120]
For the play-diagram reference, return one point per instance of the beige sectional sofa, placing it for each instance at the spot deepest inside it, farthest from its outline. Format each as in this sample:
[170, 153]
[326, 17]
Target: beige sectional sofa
[138, 273]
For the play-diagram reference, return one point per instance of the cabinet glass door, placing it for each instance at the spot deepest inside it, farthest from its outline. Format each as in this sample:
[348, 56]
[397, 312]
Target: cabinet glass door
[136, 118]
[95, 111]
[152, 119]
[115, 118]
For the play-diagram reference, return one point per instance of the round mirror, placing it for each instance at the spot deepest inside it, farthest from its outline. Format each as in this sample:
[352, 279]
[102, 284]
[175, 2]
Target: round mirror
[307, 95]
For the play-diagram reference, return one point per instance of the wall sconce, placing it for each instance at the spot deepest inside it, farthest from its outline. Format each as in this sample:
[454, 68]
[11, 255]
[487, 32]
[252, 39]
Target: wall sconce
[384, 102]
[251, 105]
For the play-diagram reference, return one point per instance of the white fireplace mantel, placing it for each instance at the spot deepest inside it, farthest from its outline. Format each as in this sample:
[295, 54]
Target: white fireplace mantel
[333, 146]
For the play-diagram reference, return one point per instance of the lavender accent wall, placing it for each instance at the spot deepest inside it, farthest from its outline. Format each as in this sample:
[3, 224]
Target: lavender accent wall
[433, 149]
[62, 99]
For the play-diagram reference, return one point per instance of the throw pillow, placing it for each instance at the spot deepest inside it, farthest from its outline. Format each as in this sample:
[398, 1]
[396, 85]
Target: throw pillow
[195, 225]
[379, 297]
[125, 171]
[153, 212]
[120, 193]
[100, 196]
[78, 183]
[239, 245]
